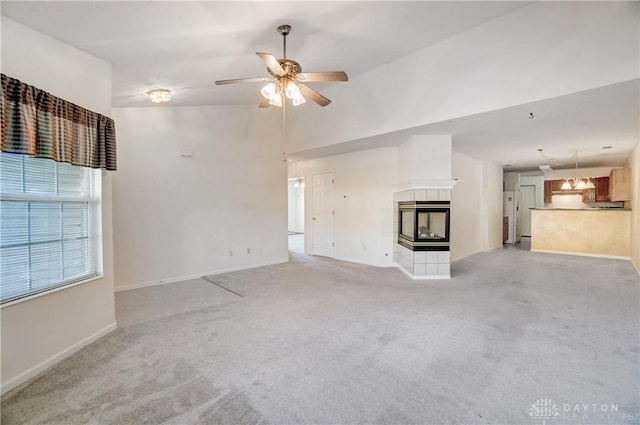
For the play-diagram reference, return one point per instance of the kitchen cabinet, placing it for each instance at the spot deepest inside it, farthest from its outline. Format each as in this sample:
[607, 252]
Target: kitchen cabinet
[589, 195]
[602, 189]
[548, 189]
[600, 193]
[620, 184]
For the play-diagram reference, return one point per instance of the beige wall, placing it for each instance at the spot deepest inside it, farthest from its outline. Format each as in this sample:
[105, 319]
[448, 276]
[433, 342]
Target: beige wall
[38, 332]
[593, 232]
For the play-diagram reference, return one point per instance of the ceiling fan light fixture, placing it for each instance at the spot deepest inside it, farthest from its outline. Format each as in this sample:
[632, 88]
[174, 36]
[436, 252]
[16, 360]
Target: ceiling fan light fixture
[159, 95]
[292, 90]
[580, 184]
[276, 100]
[269, 90]
[298, 100]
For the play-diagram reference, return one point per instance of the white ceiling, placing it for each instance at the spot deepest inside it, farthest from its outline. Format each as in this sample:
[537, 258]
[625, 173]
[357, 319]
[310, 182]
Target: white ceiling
[584, 122]
[185, 46]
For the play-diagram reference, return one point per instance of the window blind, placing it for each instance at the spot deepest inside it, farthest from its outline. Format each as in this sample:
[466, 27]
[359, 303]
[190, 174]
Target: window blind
[48, 224]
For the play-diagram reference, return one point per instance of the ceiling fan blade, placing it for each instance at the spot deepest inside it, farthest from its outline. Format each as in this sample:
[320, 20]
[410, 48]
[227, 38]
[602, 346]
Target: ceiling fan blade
[272, 63]
[264, 103]
[243, 80]
[322, 76]
[310, 93]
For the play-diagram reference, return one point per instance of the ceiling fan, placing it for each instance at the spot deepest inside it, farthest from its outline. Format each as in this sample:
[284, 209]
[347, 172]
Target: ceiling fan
[287, 78]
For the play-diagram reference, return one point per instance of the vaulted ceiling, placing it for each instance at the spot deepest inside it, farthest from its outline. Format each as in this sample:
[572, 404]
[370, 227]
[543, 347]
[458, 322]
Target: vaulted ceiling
[185, 46]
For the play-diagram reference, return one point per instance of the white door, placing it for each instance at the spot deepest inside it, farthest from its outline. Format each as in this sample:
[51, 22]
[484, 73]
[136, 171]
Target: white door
[322, 214]
[527, 201]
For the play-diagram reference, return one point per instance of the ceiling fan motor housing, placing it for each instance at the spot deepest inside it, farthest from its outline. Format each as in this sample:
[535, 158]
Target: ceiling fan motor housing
[291, 68]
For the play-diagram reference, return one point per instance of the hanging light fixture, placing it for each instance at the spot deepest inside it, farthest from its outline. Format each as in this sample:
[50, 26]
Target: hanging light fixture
[299, 182]
[576, 182]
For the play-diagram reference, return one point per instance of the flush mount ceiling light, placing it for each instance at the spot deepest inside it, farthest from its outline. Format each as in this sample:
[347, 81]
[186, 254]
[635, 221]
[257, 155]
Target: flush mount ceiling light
[287, 78]
[159, 95]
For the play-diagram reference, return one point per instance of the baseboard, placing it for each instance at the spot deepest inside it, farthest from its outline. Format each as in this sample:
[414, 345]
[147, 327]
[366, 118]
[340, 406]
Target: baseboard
[351, 260]
[583, 254]
[636, 266]
[51, 361]
[196, 275]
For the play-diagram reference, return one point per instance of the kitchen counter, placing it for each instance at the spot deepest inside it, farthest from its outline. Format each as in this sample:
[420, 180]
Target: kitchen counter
[590, 231]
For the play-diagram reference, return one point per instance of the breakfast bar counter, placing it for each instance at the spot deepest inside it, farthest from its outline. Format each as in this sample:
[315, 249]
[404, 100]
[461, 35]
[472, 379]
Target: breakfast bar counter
[590, 231]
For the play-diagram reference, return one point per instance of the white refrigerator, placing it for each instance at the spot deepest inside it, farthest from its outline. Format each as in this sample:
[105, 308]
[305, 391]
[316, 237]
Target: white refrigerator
[510, 205]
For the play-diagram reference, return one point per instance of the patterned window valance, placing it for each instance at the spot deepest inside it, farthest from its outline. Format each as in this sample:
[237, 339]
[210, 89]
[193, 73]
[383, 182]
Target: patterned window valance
[39, 124]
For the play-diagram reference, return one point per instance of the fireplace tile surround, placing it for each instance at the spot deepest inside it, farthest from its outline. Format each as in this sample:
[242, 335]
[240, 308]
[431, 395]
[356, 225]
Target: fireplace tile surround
[420, 265]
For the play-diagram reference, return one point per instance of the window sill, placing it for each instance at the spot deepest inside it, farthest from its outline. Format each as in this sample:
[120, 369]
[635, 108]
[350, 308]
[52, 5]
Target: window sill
[49, 292]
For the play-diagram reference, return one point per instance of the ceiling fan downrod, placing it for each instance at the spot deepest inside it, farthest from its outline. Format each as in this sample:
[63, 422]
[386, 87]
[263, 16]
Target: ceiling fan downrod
[284, 30]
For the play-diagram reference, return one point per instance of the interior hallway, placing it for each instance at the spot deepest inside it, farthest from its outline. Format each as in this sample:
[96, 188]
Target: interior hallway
[323, 341]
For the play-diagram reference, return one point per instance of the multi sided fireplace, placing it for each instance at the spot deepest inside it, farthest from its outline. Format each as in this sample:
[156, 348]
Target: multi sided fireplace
[424, 225]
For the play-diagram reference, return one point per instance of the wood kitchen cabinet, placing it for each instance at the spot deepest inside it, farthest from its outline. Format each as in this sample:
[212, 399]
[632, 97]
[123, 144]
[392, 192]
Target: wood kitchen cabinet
[602, 189]
[620, 184]
[600, 193]
[588, 195]
[548, 191]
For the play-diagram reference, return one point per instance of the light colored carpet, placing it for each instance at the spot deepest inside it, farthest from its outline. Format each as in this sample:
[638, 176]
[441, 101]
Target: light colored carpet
[327, 342]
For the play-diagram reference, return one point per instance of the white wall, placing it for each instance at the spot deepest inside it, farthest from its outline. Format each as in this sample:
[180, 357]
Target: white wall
[553, 49]
[573, 201]
[466, 210]
[41, 331]
[538, 182]
[178, 216]
[364, 218]
[492, 199]
[363, 190]
[512, 181]
[425, 157]
[476, 206]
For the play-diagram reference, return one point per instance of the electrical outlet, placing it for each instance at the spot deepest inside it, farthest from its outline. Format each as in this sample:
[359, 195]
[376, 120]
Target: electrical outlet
[248, 250]
[230, 253]
[364, 247]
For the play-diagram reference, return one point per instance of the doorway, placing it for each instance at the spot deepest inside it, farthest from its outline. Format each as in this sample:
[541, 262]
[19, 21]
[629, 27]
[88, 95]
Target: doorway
[527, 201]
[322, 214]
[295, 222]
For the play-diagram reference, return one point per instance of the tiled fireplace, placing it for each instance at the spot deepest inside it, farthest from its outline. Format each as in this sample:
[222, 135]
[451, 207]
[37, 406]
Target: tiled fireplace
[422, 231]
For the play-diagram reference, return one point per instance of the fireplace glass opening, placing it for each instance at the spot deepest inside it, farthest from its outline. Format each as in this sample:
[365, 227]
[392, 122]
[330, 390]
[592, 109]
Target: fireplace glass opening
[424, 226]
[432, 225]
[406, 225]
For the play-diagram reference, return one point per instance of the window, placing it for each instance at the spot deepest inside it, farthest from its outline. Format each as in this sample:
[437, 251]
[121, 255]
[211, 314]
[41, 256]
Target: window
[49, 225]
